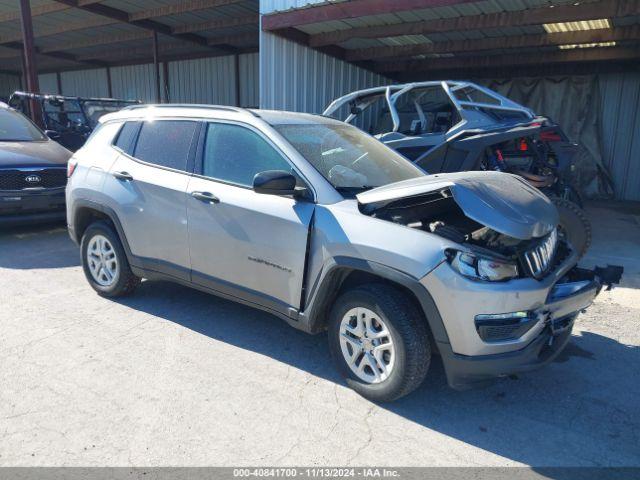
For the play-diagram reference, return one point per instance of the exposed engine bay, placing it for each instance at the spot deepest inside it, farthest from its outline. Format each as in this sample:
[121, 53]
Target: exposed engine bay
[439, 213]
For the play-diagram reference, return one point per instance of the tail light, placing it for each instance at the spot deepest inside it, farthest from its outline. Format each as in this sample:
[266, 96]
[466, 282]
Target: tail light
[550, 137]
[71, 167]
[523, 145]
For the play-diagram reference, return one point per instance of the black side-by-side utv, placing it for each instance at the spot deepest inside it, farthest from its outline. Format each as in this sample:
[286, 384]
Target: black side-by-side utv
[453, 126]
[68, 120]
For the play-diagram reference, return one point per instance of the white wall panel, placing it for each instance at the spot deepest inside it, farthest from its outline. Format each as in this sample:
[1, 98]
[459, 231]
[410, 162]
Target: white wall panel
[250, 80]
[8, 84]
[85, 83]
[48, 83]
[205, 80]
[620, 131]
[294, 77]
[135, 82]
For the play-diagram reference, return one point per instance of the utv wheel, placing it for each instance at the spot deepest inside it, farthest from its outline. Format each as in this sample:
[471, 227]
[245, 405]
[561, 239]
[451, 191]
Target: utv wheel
[104, 262]
[379, 341]
[575, 224]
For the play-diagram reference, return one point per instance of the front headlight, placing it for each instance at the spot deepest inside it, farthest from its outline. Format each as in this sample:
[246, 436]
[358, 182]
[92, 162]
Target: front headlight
[478, 267]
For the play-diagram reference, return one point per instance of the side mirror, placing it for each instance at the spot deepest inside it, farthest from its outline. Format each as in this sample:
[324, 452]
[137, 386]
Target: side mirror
[52, 134]
[274, 182]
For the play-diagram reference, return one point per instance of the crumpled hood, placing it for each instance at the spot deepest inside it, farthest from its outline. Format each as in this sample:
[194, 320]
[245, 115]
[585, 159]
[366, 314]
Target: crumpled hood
[500, 201]
[26, 154]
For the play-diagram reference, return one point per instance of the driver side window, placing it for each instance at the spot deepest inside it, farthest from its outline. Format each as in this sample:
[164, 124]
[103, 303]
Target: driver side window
[235, 154]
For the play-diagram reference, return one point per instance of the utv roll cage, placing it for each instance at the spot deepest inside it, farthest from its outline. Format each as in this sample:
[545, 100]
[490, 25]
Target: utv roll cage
[68, 120]
[477, 107]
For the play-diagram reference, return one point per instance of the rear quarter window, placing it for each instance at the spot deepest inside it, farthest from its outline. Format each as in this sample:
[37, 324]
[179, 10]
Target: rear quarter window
[103, 134]
[126, 137]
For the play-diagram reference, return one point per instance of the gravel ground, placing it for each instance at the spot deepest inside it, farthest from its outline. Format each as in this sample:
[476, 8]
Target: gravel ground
[172, 376]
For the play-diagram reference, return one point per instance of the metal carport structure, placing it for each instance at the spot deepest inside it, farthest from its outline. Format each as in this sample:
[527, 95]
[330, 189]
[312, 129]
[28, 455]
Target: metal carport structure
[576, 61]
[155, 50]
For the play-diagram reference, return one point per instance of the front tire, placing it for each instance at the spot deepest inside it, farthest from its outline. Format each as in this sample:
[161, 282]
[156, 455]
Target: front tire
[379, 342]
[105, 263]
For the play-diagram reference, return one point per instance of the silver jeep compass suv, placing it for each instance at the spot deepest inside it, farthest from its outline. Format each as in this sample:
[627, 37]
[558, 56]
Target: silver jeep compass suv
[322, 225]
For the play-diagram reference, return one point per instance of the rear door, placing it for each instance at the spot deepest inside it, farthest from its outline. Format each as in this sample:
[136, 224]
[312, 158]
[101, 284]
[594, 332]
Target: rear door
[148, 183]
[242, 243]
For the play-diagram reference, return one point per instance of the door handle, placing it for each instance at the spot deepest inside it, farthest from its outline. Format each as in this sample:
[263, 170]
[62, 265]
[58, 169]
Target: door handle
[123, 176]
[205, 197]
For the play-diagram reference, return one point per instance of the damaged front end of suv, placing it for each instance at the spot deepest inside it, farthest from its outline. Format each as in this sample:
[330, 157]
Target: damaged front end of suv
[508, 289]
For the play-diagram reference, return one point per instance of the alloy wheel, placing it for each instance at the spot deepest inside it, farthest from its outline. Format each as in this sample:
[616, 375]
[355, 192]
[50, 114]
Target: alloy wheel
[102, 261]
[366, 344]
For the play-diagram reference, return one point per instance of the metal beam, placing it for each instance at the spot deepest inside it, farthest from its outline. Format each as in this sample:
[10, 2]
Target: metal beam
[30, 68]
[165, 57]
[109, 83]
[156, 67]
[142, 51]
[617, 34]
[242, 38]
[59, 83]
[218, 24]
[14, 16]
[98, 41]
[165, 80]
[520, 18]
[151, 25]
[513, 60]
[347, 10]
[182, 7]
[17, 46]
[251, 37]
[534, 70]
[69, 27]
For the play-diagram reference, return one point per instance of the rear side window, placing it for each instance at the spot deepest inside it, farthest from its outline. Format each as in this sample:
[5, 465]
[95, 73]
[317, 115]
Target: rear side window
[103, 134]
[235, 154]
[166, 143]
[126, 137]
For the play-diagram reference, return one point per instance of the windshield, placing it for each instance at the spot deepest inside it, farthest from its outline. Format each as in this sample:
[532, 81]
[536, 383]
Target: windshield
[62, 115]
[349, 159]
[15, 127]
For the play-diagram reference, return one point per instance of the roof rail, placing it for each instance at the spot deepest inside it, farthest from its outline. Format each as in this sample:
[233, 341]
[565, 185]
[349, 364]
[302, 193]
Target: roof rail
[186, 105]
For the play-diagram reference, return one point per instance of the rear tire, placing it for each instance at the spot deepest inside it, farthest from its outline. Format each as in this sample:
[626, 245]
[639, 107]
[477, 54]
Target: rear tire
[575, 224]
[105, 263]
[392, 358]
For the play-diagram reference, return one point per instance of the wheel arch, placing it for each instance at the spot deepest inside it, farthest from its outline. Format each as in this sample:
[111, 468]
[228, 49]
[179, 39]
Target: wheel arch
[346, 272]
[86, 212]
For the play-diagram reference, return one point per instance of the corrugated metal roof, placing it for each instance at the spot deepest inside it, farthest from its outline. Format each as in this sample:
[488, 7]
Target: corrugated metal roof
[69, 29]
[464, 9]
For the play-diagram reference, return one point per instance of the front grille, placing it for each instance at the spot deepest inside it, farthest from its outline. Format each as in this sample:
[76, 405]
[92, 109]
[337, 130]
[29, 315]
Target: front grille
[539, 259]
[40, 178]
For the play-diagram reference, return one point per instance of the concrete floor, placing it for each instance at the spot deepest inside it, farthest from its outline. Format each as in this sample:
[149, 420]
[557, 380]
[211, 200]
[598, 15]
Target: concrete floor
[171, 376]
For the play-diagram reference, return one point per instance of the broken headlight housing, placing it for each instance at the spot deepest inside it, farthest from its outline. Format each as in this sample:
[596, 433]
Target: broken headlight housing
[480, 267]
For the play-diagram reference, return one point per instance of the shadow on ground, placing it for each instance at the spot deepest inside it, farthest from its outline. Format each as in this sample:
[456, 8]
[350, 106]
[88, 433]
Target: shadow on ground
[560, 401]
[35, 247]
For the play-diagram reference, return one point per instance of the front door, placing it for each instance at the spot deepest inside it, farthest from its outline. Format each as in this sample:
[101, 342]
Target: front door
[242, 243]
